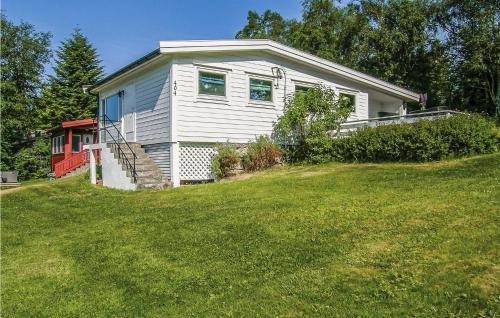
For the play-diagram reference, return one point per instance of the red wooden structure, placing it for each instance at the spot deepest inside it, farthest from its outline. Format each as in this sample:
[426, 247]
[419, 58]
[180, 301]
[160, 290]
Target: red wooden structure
[68, 140]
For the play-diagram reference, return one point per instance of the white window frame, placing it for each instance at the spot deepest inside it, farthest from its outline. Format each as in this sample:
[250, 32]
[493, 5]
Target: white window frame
[79, 143]
[102, 111]
[120, 105]
[208, 97]
[352, 93]
[58, 145]
[303, 84]
[254, 102]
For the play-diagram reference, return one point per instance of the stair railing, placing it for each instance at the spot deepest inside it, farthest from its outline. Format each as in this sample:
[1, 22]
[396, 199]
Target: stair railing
[121, 154]
[71, 163]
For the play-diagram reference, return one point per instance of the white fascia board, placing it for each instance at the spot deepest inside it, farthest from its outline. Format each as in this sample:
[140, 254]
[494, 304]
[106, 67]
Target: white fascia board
[171, 47]
[126, 74]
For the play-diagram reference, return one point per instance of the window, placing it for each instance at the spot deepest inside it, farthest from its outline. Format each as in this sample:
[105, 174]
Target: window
[75, 143]
[113, 108]
[301, 89]
[87, 139]
[58, 144]
[350, 97]
[261, 90]
[212, 84]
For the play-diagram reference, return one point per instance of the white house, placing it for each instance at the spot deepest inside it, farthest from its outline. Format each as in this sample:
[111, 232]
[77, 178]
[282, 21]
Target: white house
[176, 102]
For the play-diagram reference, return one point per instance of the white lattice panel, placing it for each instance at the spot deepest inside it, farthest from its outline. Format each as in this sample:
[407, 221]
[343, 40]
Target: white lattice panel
[196, 161]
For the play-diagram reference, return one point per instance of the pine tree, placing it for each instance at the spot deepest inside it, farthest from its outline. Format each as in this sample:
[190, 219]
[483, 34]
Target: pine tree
[77, 64]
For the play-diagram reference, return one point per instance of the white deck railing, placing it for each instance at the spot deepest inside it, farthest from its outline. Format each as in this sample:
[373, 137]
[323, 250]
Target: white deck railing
[398, 119]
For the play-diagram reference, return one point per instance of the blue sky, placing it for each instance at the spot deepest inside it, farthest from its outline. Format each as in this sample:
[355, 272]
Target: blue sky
[124, 30]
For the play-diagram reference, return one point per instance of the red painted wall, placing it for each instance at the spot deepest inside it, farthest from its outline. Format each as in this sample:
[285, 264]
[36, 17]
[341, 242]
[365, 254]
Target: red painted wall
[68, 133]
[56, 158]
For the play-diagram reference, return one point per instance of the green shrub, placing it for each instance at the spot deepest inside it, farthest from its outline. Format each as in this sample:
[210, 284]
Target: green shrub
[425, 140]
[261, 154]
[225, 161]
[309, 121]
[33, 162]
[98, 173]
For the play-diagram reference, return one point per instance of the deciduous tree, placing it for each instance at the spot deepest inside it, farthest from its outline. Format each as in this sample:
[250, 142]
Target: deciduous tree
[449, 49]
[24, 52]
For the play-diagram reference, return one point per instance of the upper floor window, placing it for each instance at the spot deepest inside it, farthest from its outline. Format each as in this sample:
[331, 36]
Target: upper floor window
[58, 144]
[112, 108]
[349, 97]
[212, 83]
[261, 90]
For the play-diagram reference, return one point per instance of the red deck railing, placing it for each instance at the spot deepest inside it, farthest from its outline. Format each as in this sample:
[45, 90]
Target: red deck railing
[70, 164]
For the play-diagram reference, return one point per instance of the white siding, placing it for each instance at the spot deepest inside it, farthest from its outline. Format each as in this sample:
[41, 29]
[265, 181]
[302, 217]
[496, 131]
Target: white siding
[237, 119]
[160, 154]
[152, 93]
[148, 95]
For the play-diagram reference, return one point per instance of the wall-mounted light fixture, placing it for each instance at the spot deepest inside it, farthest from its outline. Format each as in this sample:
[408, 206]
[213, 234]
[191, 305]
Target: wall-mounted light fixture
[278, 73]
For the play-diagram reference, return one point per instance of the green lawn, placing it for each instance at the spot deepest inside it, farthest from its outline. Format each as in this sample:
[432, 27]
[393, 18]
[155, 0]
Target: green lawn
[357, 240]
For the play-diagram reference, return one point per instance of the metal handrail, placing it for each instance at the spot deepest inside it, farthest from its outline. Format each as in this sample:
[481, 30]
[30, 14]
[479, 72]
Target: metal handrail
[119, 133]
[120, 150]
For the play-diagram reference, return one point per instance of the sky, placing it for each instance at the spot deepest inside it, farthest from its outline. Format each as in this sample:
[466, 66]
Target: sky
[125, 30]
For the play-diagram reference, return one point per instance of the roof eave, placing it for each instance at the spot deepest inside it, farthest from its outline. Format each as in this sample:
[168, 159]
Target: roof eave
[127, 68]
[172, 47]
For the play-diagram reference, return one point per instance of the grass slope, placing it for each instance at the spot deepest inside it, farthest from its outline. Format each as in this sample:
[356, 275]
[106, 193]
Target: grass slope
[388, 240]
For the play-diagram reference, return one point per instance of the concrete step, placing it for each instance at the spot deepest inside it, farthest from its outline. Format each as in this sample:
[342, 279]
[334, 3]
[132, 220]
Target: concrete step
[148, 175]
[77, 171]
[138, 161]
[144, 167]
[125, 148]
[129, 155]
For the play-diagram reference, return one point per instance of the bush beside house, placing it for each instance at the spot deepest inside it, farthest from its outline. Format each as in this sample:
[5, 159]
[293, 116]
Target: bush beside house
[225, 160]
[425, 140]
[263, 153]
[260, 154]
[311, 122]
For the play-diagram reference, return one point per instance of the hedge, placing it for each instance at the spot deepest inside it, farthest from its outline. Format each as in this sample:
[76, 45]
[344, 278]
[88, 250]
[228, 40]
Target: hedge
[425, 140]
